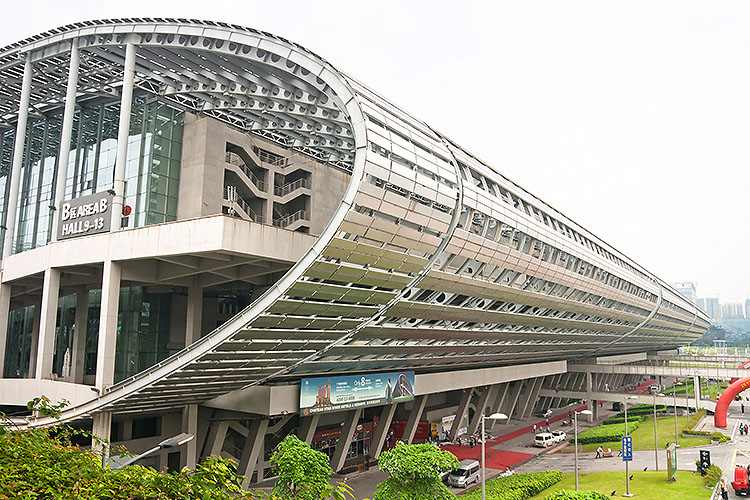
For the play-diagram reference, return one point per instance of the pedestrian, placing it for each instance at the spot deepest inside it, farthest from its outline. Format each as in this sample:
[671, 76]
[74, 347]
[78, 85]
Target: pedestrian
[533, 429]
[724, 489]
[546, 422]
[599, 452]
[742, 408]
[570, 415]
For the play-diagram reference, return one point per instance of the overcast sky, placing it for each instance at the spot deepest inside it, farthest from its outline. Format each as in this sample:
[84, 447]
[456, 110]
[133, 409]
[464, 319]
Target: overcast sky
[632, 118]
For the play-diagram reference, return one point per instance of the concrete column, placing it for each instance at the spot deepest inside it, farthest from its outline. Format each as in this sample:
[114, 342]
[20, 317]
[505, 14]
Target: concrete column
[105, 364]
[252, 449]
[307, 427]
[18, 149]
[502, 394]
[216, 436]
[525, 398]
[5, 291]
[481, 409]
[78, 358]
[463, 408]
[414, 417]
[123, 131]
[523, 395]
[34, 340]
[48, 322]
[533, 397]
[697, 391]
[589, 390]
[102, 429]
[67, 130]
[563, 383]
[194, 314]
[345, 439]
[384, 425]
[190, 425]
[515, 392]
[594, 410]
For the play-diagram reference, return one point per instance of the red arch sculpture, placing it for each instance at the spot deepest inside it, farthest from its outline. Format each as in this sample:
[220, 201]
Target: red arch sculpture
[744, 365]
[722, 405]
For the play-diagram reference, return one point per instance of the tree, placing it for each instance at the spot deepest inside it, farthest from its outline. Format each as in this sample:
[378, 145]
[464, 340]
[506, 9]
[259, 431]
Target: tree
[304, 473]
[415, 471]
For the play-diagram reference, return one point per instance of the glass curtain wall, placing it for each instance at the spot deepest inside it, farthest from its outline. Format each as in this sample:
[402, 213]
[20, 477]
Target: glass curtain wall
[152, 168]
[18, 346]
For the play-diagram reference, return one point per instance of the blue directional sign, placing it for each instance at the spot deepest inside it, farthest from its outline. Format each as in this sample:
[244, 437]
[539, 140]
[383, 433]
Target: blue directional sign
[627, 448]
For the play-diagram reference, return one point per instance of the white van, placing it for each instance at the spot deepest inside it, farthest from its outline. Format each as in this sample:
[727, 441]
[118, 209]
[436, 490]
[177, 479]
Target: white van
[467, 473]
[544, 439]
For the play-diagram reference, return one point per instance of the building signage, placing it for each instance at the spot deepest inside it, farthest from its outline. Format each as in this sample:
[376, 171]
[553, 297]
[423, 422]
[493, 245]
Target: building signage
[627, 448]
[344, 392]
[86, 215]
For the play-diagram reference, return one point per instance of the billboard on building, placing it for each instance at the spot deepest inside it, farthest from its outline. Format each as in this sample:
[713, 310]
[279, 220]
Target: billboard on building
[343, 392]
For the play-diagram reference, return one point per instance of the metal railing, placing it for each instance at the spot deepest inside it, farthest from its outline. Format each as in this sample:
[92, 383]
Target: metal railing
[232, 196]
[291, 218]
[235, 159]
[284, 190]
[270, 158]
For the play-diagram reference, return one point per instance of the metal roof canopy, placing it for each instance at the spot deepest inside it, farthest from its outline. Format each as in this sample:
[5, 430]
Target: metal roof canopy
[227, 72]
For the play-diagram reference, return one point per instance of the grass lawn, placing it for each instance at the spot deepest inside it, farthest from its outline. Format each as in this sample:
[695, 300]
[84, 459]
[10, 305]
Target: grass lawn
[643, 436]
[707, 390]
[650, 485]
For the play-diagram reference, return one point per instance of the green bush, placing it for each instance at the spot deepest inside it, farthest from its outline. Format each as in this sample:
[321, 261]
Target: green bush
[621, 420]
[694, 419]
[414, 472]
[606, 433]
[713, 475]
[641, 409]
[517, 486]
[576, 495]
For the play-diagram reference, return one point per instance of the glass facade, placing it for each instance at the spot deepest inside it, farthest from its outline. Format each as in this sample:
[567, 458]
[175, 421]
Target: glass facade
[18, 346]
[152, 168]
[142, 334]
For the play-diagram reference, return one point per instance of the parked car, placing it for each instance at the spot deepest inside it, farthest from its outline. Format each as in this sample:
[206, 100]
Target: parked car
[544, 440]
[467, 473]
[544, 414]
[559, 436]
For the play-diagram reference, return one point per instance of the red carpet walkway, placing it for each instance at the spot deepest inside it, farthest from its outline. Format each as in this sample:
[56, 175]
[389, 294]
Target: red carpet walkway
[501, 459]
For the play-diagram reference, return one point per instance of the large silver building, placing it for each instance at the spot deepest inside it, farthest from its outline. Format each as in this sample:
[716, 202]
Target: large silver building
[198, 215]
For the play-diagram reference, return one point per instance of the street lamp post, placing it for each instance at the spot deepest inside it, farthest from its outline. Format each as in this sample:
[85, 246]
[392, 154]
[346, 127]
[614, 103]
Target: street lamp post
[120, 461]
[575, 433]
[494, 416]
[627, 464]
[674, 397]
[656, 438]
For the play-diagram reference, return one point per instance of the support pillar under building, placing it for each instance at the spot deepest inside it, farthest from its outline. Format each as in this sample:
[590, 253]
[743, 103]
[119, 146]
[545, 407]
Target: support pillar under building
[190, 426]
[47, 323]
[307, 427]
[252, 449]
[78, 358]
[105, 364]
[345, 439]
[5, 292]
[463, 408]
[414, 417]
[381, 432]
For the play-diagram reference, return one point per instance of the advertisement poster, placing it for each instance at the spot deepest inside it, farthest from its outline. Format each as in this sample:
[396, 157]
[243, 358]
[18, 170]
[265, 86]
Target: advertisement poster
[344, 392]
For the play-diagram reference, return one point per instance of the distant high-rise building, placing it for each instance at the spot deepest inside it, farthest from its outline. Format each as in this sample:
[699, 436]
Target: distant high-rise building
[711, 306]
[686, 288]
[734, 310]
[747, 308]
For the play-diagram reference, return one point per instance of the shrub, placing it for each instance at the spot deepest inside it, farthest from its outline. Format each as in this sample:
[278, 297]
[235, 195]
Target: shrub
[576, 495]
[606, 433]
[694, 420]
[517, 486]
[641, 409]
[713, 475]
[621, 420]
[303, 472]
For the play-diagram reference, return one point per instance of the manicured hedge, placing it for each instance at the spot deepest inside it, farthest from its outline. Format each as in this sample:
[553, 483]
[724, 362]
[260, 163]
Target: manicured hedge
[517, 486]
[621, 420]
[713, 475]
[688, 429]
[576, 495]
[641, 409]
[606, 433]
